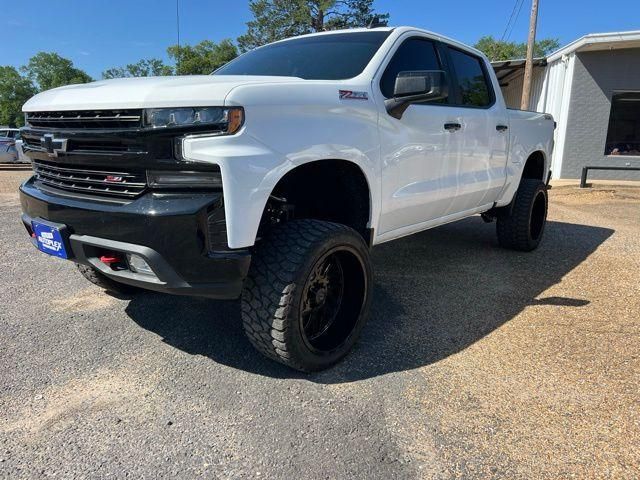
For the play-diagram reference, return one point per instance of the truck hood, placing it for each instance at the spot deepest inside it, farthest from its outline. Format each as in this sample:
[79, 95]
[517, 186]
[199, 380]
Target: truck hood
[145, 92]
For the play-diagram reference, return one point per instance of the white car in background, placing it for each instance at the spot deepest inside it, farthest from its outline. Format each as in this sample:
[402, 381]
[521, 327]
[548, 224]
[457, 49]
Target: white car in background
[11, 146]
[8, 152]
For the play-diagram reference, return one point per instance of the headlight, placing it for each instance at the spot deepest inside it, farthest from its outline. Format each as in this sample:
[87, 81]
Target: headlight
[227, 119]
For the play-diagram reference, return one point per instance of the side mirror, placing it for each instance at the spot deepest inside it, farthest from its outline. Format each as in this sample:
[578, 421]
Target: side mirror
[415, 87]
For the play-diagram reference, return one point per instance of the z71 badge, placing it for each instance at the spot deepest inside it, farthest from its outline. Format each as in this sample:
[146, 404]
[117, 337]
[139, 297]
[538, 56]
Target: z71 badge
[351, 95]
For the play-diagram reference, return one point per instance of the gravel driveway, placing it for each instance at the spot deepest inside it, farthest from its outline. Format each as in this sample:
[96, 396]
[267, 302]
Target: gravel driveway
[476, 363]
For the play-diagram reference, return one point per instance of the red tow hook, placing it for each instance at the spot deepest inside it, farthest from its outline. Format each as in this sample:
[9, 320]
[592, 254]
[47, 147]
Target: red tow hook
[109, 259]
[116, 262]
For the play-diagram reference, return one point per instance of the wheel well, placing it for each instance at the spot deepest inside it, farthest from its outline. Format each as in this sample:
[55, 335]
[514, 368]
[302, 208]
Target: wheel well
[534, 167]
[331, 190]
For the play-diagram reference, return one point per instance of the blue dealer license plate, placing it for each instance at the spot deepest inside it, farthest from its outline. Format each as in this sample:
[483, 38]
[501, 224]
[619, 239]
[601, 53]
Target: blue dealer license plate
[49, 239]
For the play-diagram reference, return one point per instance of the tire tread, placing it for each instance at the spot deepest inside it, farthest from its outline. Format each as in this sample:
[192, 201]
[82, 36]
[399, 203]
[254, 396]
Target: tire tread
[269, 291]
[513, 228]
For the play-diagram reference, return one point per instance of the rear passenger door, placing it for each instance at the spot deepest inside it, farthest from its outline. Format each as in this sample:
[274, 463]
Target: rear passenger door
[478, 146]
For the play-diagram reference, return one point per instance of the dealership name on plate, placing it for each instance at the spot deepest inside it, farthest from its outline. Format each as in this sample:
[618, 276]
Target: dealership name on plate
[46, 240]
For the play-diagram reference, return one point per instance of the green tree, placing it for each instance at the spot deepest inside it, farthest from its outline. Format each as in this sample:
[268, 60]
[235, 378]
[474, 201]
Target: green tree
[498, 50]
[50, 70]
[354, 14]
[15, 90]
[277, 19]
[203, 58]
[153, 67]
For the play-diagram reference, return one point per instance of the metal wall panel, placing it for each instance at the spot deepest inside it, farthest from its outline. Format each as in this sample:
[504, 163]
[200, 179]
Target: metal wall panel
[548, 95]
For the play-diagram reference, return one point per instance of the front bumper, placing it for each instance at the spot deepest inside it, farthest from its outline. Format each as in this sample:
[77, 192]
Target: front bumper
[178, 234]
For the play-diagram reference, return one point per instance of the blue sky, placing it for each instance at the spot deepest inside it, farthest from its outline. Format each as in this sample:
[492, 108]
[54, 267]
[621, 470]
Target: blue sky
[98, 34]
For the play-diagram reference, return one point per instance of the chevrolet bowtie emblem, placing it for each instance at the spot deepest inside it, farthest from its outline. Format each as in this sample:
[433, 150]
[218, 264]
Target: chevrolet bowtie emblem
[53, 145]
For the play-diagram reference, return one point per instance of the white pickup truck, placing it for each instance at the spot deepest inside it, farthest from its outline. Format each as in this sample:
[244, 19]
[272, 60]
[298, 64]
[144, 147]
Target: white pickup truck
[272, 178]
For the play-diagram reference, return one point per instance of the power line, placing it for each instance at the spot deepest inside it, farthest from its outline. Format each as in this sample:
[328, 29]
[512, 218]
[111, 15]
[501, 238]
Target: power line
[178, 20]
[515, 20]
[178, 29]
[513, 11]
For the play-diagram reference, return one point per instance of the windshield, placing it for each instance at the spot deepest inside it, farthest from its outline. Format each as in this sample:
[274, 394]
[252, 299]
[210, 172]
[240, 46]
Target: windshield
[336, 56]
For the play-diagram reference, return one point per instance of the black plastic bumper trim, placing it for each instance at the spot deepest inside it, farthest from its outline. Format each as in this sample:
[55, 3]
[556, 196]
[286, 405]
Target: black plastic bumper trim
[166, 279]
[167, 240]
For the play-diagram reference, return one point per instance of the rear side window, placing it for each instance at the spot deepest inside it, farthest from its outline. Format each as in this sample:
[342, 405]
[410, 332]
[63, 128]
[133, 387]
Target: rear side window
[413, 54]
[473, 84]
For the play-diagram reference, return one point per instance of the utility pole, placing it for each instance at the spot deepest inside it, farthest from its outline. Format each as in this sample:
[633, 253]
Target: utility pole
[528, 66]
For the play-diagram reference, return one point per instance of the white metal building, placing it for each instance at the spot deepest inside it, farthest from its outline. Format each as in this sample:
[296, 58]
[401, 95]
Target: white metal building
[592, 89]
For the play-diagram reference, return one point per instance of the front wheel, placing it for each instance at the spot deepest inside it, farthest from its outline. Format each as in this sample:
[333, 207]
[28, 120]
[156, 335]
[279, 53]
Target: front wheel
[307, 295]
[522, 228]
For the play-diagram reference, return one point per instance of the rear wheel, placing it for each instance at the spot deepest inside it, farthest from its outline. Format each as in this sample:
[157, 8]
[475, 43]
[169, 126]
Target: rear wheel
[522, 228]
[307, 295]
[101, 280]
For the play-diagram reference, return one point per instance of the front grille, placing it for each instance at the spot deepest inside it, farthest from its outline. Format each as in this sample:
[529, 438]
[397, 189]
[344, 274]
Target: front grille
[101, 146]
[33, 142]
[86, 119]
[97, 146]
[95, 182]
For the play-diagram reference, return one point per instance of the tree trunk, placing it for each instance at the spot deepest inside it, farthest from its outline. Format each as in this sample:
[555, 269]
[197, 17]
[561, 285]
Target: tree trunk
[317, 23]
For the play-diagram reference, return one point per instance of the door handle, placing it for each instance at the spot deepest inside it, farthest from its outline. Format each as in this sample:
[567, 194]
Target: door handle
[452, 126]
[502, 128]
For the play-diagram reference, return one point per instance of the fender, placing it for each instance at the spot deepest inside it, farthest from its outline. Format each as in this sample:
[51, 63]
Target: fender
[251, 170]
[285, 128]
[515, 171]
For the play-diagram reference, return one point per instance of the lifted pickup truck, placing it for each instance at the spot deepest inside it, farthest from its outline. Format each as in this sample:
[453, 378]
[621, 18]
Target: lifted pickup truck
[270, 179]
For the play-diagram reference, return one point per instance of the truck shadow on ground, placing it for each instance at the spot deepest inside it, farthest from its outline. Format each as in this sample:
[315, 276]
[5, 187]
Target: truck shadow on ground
[435, 294]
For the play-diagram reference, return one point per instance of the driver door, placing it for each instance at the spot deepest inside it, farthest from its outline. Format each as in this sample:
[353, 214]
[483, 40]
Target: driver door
[419, 182]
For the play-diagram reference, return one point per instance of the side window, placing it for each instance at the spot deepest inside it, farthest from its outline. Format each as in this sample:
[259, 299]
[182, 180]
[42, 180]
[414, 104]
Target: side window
[413, 54]
[473, 85]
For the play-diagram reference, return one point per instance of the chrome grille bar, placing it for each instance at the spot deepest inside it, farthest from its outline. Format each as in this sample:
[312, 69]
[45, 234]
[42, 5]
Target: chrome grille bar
[120, 184]
[86, 119]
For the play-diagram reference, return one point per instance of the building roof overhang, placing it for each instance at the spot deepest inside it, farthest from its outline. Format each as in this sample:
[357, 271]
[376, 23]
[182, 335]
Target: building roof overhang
[505, 68]
[599, 41]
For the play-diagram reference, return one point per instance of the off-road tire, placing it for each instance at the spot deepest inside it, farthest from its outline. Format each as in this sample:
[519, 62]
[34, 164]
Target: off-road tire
[521, 228]
[105, 282]
[276, 292]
